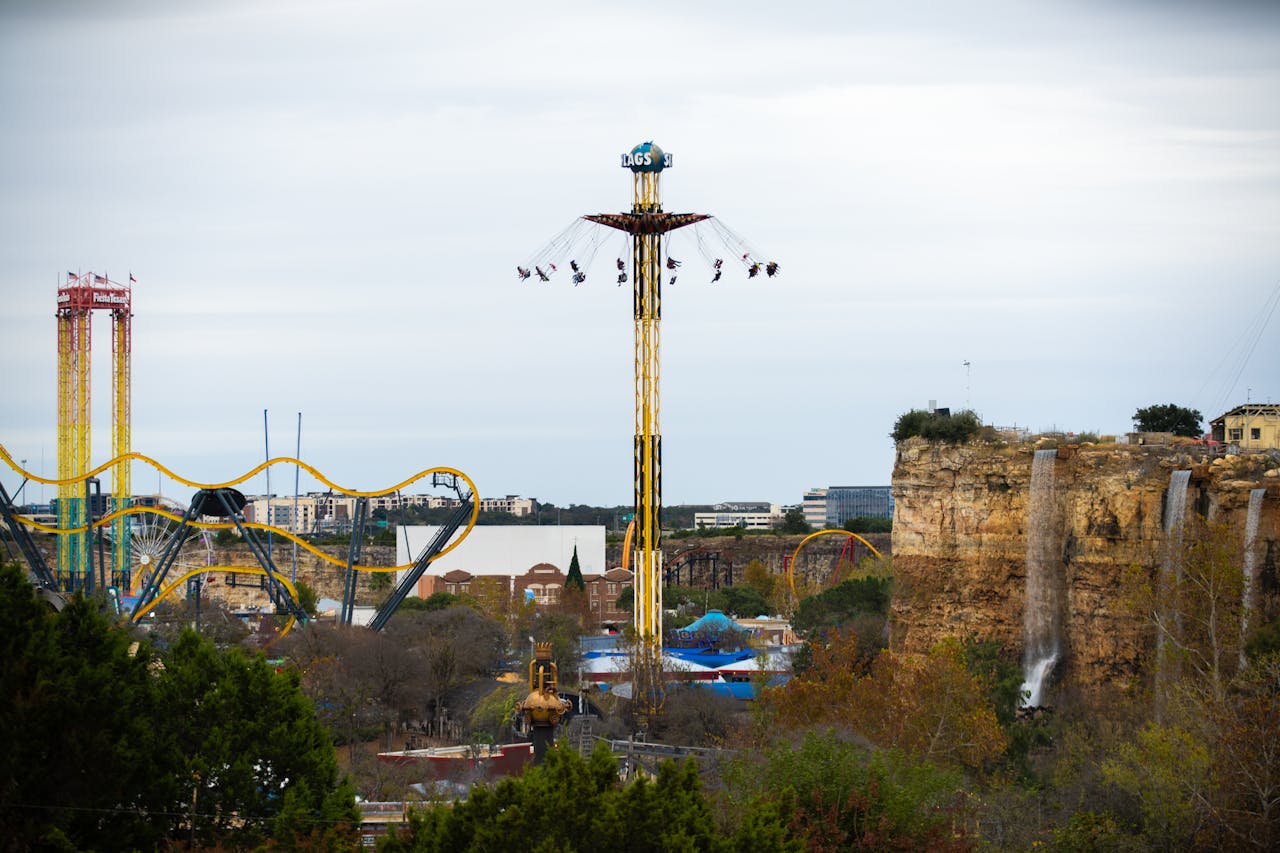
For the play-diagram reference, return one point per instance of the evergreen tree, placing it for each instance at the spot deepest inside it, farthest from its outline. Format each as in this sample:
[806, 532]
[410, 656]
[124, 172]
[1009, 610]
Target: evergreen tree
[574, 578]
[103, 745]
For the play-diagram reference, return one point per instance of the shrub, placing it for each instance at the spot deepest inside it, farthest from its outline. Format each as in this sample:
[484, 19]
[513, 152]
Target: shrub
[931, 426]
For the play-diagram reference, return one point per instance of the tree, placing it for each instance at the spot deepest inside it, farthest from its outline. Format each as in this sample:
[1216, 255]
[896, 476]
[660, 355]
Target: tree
[110, 739]
[930, 705]
[739, 600]
[793, 521]
[1194, 602]
[570, 803]
[950, 428]
[843, 796]
[864, 524]
[1168, 418]
[844, 602]
[76, 738]
[243, 736]
[308, 598]
[574, 578]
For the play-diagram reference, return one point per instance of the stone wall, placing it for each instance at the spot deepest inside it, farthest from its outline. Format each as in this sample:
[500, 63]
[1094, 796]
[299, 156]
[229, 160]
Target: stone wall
[960, 539]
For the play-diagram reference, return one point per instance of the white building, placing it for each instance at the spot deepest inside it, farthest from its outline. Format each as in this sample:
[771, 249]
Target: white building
[761, 518]
[815, 508]
[508, 550]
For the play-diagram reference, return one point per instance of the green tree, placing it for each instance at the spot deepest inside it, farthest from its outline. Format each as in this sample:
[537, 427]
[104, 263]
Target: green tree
[574, 578]
[950, 428]
[1166, 769]
[244, 736]
[1168, 418]
[308, 598]
[110, 741]
[80, 766]
[739, 600]
[793, 521]
[868, 525]
[569, 804]
[842, 796]
[842, 603]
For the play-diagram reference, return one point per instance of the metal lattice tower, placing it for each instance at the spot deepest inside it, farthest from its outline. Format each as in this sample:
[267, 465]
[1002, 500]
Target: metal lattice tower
[79, 296]
[647, 223]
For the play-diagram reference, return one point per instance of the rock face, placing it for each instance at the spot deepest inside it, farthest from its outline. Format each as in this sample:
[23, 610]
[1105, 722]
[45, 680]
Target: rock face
[961, 527]
[816, 562]
[325, 578]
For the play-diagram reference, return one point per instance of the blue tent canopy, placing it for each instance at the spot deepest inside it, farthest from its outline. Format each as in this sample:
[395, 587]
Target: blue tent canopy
[715, 622]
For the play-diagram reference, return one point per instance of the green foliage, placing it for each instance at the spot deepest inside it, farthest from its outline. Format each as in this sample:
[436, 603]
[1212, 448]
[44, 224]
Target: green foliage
[1165, 768]
[434, 601]
[308, 598]
[569, 804]
[226, 538]
[491, 717]
[843, 602]
[738, 600]
[1089, 832]
[793, 521]
[244, 735]
[574, 577]
[954, 428]
[999, 673]
[73, 740]
[868, 525]
[1168, 418]
[110, 741]
[842, 796]
[1263, 641]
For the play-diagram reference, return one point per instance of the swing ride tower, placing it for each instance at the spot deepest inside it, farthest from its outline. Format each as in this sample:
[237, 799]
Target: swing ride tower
[647, 224]
[78, 298]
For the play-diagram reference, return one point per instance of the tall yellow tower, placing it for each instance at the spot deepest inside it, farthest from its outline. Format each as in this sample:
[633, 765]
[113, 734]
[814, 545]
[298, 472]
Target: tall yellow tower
[78, 297]
[647, 223]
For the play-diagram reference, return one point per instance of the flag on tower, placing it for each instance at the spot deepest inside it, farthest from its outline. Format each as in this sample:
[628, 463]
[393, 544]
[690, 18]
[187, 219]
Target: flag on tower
[132, 280]
[99, 279]
[71, 276]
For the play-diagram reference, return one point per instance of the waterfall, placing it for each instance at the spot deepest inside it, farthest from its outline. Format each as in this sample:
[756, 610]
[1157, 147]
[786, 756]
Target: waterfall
[1175, 511]
[1042, 611]
[1250, 563]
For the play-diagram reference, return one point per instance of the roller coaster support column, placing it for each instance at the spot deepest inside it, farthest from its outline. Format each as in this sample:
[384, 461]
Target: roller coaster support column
[353, 560]
[35, 560]
[456, 519]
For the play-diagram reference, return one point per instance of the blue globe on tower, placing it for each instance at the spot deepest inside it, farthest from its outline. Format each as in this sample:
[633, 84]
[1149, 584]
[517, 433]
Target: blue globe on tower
[645, 157]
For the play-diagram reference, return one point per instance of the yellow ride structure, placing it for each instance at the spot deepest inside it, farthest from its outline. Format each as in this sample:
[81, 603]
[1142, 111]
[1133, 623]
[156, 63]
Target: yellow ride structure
[795, 555]
[647, 224]
[78, 297]
[122, 514]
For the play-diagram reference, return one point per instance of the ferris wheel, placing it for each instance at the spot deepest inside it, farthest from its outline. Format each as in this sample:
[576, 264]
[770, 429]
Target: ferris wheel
[151, 536]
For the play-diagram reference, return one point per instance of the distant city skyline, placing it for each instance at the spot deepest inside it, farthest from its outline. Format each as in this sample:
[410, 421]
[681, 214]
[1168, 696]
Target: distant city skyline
[1055, 213]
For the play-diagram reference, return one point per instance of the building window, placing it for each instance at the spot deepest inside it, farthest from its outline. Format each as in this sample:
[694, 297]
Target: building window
[1235, 434]
[1255, 433]
[613, 589]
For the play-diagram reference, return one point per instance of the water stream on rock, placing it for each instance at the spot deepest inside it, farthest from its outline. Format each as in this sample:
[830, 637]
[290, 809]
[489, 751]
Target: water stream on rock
[1042, 612]
[1175, 512]
[1250, 563]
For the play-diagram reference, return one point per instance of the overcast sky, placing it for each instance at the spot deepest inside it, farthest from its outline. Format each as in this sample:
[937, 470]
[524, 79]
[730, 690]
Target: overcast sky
[324, 204]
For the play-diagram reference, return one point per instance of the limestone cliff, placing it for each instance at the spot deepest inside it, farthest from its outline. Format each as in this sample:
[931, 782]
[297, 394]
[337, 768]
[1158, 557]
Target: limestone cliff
[960, 541]
[325, 578]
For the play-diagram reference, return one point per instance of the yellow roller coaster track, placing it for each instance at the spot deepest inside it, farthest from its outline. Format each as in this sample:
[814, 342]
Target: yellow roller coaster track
[791, 569]
[280, 460]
